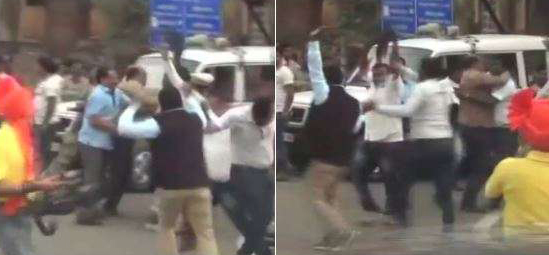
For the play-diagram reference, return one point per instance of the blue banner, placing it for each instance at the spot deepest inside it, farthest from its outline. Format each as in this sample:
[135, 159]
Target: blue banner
[188, 17]
[404, 16]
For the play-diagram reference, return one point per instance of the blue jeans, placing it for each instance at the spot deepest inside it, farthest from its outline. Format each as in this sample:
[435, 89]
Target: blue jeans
[15, 235]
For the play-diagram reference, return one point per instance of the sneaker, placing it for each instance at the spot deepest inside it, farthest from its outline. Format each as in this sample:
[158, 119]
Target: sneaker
[343, 241]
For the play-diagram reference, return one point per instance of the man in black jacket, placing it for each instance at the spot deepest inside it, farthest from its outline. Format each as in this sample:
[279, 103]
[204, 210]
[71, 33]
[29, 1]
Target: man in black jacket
[330, 130]
[180, 169]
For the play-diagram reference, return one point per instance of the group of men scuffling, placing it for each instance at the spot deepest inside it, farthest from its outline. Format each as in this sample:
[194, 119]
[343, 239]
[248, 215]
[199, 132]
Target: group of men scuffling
[117, 113]
[411, 122]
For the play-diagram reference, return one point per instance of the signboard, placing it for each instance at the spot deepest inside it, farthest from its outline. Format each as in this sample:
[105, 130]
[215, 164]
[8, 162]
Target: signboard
[188, 17]
[404, 16]
[400, 16]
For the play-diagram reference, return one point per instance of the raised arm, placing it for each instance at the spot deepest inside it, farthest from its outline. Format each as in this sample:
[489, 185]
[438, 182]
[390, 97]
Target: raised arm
[316, 74]
[217, 124]
[128, 127]
[174, 77]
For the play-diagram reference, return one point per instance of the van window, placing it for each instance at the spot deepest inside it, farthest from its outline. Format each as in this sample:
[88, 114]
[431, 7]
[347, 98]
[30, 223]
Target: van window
[534, 62]
[223, 86]
[509, 61]
[258, 80]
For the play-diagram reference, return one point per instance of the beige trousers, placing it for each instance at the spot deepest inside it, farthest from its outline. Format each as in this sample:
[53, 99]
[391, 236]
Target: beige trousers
[323, 181]
[196, 207]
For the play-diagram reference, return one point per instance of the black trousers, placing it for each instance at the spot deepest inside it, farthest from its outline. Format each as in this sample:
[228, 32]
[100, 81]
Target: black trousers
[44, 140]
[506, 144]
[254, 191]
[480, 155]
[434, 157]
[368, 157]
[120, 171]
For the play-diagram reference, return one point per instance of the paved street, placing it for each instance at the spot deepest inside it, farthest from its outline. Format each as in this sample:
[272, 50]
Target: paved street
[297, 232]
[124, 235]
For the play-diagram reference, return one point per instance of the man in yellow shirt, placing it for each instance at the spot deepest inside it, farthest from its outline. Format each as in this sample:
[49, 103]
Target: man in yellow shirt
[16, 168]
[524, 182]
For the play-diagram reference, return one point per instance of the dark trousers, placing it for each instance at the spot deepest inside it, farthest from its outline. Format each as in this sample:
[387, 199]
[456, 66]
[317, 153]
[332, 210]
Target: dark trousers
[282, 163]
[506, 144]
[95, 162]
[435, 157]
[480, 157]
[225, 194]
[368, 157]
[254, 190]
[120, 171]
[44, 139]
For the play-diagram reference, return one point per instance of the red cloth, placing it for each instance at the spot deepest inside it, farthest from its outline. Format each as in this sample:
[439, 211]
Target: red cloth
[530, 117]
[16, 108]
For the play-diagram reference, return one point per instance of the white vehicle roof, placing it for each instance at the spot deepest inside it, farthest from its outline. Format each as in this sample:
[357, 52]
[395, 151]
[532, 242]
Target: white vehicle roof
[486, 43]
[251, 54]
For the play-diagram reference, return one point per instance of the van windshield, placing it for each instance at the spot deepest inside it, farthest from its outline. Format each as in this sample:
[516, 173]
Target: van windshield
[413, 56]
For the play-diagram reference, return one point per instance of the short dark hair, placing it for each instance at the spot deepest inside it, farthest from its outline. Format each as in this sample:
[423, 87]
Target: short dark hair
[262, 110]
[431, 68]
[540, 78]
[101, 73]
[333, 74]
[132, 72]
[469, 61]
[48, 64]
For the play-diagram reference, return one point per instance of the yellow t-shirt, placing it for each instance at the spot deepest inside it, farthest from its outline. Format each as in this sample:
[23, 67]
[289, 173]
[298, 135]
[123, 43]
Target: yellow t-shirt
[524, 184]
[12, 159]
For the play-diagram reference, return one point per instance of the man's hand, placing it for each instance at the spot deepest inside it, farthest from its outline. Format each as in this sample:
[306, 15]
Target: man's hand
[368, 106]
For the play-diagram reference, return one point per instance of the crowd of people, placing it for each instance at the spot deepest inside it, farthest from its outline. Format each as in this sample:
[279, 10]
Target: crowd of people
[114, 114]
[411, 121]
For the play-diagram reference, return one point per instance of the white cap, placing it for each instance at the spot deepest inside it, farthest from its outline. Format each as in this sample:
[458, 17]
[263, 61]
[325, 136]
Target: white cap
[202, 79]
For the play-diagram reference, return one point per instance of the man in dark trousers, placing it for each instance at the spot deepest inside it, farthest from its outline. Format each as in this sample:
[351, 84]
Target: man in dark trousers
[330, 131]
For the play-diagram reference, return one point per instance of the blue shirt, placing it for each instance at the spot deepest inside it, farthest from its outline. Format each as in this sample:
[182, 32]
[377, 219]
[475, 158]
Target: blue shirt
[105, 103]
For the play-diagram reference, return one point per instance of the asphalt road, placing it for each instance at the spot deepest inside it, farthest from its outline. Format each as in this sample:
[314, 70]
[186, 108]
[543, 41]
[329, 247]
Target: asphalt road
[475, 234]
[123, 235]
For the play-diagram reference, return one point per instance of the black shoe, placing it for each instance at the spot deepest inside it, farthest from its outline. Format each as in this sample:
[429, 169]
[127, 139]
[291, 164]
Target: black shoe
[370, 206]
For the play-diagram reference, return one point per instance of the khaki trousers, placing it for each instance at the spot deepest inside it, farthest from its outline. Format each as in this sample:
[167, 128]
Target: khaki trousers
[196, 207]
[323, 180]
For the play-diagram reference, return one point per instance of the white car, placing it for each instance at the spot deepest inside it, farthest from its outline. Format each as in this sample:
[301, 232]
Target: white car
[525, 54]
[238, 80]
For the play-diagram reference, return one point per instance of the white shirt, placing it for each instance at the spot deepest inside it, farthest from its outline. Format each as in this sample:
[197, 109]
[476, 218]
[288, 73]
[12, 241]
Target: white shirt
[49, 87]
[503, 95]
[251, 145]
[383, 128]
[284, 77]
[447, 82]
[429, 109]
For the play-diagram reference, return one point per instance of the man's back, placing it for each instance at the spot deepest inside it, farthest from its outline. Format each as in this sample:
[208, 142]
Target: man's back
[524, 184]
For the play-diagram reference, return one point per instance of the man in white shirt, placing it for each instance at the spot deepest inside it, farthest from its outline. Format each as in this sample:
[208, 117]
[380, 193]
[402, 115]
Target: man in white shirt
[383, 136]
[47, 97]
[284, 99]
[506, 142]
